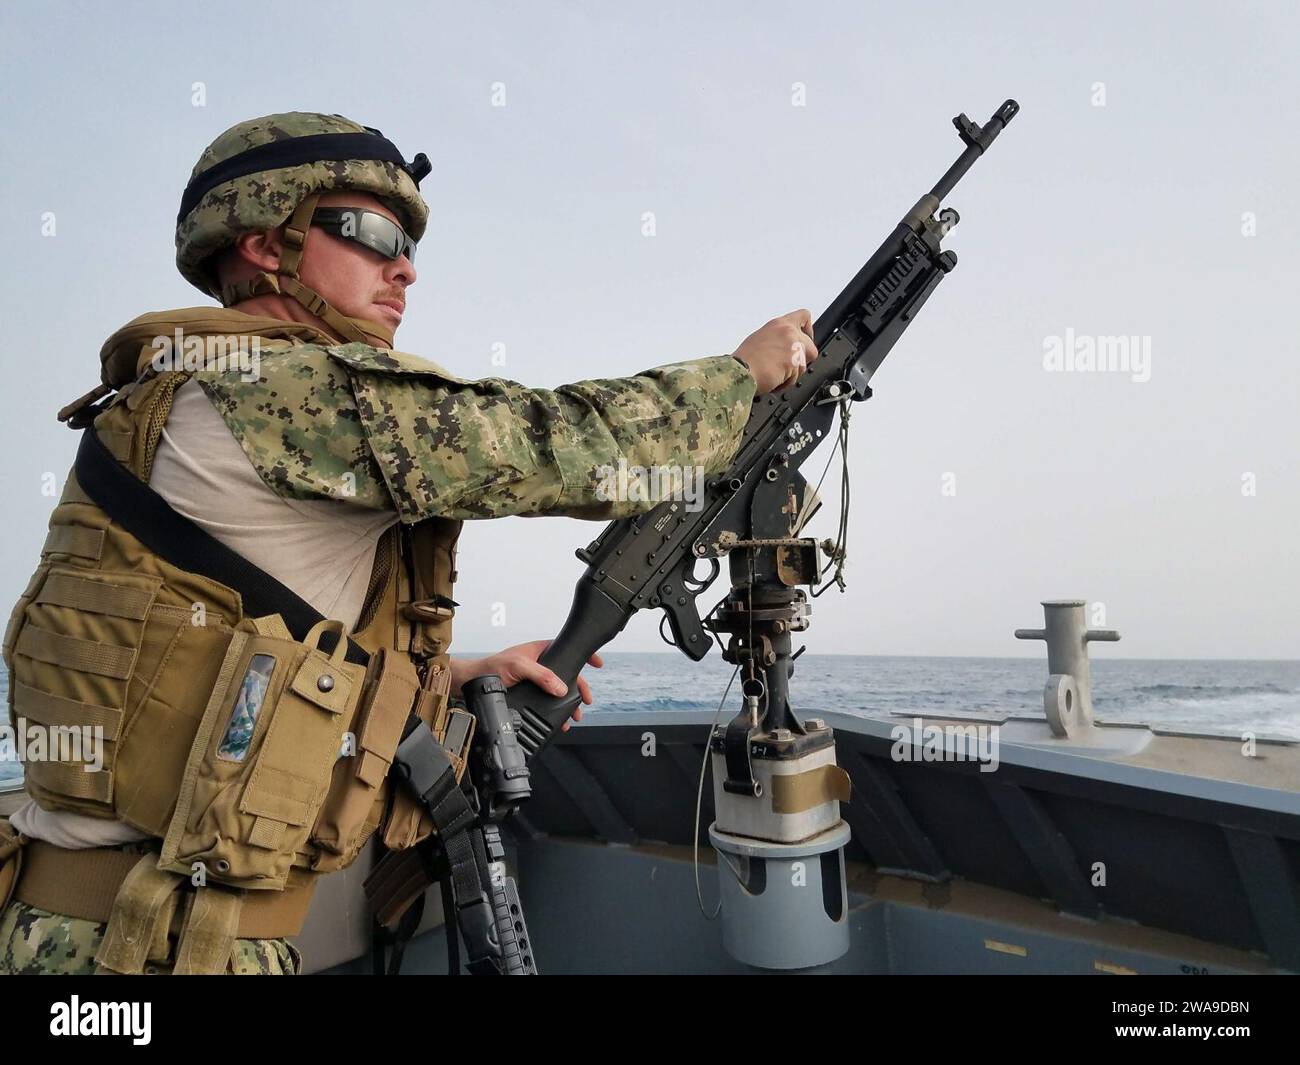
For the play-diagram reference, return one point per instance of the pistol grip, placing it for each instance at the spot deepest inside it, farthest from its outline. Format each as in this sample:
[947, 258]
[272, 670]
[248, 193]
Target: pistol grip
[688, 629]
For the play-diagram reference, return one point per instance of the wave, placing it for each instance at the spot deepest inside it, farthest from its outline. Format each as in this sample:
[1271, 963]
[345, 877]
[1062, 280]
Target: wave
[660, 702]
[1211, 691]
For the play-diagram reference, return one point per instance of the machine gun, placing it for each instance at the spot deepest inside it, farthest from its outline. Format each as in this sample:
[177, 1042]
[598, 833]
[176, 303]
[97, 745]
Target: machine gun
[777, 786]
[755, 511]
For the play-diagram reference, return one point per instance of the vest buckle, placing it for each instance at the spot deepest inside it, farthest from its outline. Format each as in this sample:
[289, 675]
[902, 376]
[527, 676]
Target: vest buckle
[435, 608]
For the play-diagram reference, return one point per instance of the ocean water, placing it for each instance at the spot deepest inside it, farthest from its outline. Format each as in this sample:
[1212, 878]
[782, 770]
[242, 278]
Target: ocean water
[1205, 695]
[1231, 696]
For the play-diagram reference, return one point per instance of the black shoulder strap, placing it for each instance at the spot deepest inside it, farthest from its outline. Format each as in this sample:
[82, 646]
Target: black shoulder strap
[148, 517]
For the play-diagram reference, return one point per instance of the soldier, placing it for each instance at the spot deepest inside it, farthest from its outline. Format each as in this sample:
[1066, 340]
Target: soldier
[338, 472]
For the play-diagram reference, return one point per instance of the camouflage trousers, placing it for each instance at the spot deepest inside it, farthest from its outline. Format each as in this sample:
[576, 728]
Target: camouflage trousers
[36, 941]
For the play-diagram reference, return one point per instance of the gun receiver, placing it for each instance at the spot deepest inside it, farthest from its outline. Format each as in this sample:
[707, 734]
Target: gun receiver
[650, 560]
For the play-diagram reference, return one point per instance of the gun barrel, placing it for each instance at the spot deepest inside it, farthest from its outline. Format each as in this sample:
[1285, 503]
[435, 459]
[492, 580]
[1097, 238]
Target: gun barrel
[978, 139]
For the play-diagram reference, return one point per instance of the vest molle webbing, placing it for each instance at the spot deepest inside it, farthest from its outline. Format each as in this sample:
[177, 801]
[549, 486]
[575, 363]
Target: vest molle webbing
[212, 725]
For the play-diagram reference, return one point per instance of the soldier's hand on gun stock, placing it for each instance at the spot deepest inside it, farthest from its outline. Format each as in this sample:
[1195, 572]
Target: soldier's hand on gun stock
[520, 663]
[779, 352]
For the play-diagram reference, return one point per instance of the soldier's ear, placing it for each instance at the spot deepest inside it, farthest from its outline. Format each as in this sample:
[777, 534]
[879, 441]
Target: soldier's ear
[260, 250]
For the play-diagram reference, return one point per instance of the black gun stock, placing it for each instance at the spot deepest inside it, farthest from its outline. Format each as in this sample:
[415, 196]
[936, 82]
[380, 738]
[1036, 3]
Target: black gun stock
[650, 560]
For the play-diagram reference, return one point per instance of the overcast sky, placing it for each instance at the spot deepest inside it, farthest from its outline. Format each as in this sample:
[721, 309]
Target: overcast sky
[1146, 190]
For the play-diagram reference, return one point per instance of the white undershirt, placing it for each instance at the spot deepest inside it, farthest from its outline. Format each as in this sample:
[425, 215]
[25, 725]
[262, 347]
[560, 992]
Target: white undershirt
[322, 549]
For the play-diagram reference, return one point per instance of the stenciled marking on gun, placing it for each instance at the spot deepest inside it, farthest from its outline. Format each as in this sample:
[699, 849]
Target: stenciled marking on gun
[802, 438]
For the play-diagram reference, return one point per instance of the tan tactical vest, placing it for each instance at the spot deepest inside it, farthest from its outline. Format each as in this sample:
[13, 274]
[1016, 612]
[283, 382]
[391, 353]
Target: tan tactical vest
[221, 733]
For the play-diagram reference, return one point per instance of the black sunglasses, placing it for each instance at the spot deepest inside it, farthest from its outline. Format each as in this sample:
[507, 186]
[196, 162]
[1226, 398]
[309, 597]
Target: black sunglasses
[368, 228]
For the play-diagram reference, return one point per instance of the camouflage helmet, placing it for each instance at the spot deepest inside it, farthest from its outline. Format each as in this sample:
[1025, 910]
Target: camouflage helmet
[259, 174]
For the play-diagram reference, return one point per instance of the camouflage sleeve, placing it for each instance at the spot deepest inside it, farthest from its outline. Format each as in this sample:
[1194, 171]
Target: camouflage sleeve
[489, 448]
[298, 424]
[389, 430]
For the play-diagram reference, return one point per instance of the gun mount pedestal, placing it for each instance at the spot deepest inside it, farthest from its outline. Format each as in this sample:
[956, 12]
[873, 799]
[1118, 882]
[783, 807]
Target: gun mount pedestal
[776, 789]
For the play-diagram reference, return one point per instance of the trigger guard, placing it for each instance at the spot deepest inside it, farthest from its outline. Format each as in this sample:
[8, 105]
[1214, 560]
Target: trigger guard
[696, 586]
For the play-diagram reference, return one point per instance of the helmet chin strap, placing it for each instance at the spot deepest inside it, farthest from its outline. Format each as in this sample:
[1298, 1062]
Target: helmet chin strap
[284, 282]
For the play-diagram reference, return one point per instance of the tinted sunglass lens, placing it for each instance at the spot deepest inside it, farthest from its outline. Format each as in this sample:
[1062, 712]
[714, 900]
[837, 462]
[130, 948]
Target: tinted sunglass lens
[371, 230]
[377, 232]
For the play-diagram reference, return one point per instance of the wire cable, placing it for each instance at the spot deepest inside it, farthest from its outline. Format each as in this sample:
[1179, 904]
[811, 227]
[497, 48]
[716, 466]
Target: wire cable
[699, 801]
